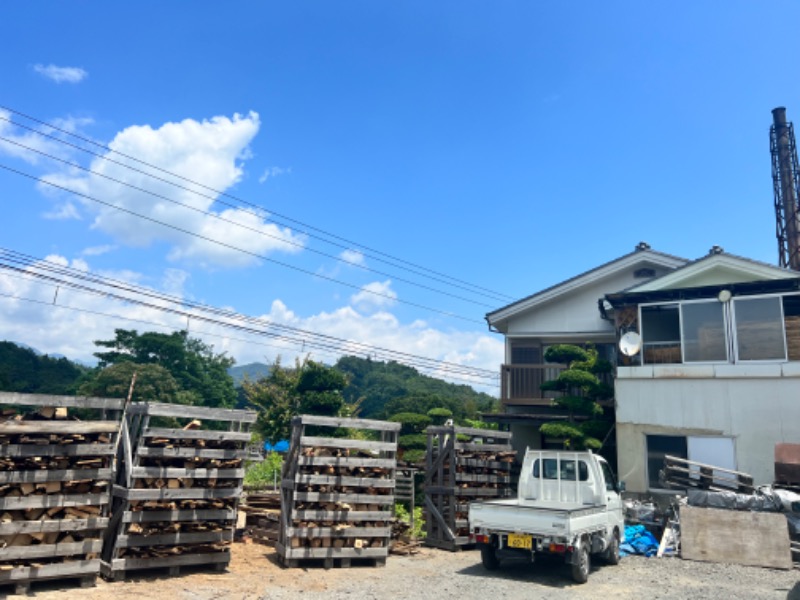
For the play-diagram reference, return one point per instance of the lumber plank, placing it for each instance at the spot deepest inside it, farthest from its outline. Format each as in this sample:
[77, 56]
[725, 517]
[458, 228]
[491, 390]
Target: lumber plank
[170, 472]
[189, 453]
[341, 515]
[133, 541]
[348, 423]
[49, 550]
[346, 461]
[50, 571]
[58, 427]
[301, 553]
[65, 401]
[737, 537]
[41, 476]
[176, 494]
[52, 526]
[29, 450]
[132, 564]
[344, 498]
[484, 433]
[346, 481]
[157, 409]
[197, 434]
[329, 532]
[323, 442]
[154, 516]
[53, 501]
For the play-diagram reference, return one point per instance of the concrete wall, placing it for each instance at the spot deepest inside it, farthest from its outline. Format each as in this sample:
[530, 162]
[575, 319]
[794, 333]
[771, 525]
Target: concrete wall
[757, 405]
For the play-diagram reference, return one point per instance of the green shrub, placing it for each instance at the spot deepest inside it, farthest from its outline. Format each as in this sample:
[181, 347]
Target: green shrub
[415, 441]
[401, 512]
[264, 474]
[414, 456]
[411, 422]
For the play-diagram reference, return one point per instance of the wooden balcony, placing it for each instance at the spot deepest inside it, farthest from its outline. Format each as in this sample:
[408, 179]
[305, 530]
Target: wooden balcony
[521, 384]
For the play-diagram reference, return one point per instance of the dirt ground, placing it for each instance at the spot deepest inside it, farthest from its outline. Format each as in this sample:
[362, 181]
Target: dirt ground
[254, 573]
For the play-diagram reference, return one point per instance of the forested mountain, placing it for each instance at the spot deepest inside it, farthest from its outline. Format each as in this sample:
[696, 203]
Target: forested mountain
[385, 389]
[380, 389]
[23, 370]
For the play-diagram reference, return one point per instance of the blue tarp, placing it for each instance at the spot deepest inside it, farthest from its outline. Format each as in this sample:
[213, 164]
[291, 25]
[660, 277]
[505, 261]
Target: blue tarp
[638, 541]
[281, 446]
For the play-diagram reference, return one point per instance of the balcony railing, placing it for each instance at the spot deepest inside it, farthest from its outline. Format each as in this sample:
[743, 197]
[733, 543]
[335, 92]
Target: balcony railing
[524, 382]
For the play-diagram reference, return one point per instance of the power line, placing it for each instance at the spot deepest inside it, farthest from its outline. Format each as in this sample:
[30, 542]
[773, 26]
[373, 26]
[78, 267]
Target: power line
[236, 248]
[237, 224]
[349, 243]
[24, 264]
[204, 333]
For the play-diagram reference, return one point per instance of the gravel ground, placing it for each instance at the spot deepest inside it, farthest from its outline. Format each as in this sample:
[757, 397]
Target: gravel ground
[438, 575]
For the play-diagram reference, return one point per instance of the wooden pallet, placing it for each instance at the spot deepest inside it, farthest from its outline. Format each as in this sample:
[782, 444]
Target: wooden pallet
[54, 486]
[337, 493]
[176, 496]
[462, 464]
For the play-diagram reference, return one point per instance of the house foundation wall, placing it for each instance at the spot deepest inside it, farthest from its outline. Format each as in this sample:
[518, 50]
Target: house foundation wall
[756, 410]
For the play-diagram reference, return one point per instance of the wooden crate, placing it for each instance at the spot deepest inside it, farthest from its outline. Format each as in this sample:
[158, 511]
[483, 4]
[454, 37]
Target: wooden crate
[337, 493]
[176, 495]
[55, 477]
[462, 464]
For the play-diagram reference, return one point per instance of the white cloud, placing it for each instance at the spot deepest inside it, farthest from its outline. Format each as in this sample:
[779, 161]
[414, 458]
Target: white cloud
[98, 250]
[374, 295]
[61, 74]
[52, 328]
[353, 256]
[20, 140]
[62, 212]
[209, 152]
[274, 172]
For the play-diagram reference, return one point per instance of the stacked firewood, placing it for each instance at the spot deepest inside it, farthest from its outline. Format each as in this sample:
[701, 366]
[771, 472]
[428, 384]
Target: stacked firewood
[462, 465]
[55, 475]
[177, 496]
[338, 493]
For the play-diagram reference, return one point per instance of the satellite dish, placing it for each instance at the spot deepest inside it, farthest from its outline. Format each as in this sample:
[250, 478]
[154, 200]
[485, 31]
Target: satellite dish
[630, 343]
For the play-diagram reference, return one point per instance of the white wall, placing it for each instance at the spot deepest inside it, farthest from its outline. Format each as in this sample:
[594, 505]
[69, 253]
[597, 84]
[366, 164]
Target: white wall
[757, 405]
[576, 311]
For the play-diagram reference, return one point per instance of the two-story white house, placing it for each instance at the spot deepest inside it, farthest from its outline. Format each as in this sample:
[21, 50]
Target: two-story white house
[717, 377]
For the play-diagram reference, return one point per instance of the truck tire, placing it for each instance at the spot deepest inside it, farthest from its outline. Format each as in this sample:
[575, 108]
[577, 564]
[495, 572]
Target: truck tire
[612, 552]
[489, 557]
[581, 564]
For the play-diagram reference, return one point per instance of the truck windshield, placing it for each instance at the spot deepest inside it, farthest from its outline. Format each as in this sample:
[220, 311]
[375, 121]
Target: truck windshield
[566, 468]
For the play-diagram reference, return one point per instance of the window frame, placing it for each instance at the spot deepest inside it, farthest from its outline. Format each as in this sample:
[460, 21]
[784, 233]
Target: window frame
[735, 331]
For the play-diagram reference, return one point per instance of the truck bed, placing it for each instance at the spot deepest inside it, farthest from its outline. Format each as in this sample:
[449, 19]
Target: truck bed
[536, 518]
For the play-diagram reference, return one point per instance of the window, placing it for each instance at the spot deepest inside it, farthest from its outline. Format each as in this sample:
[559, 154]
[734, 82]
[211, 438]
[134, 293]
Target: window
[718, 451]
[703, 332]
[526, 355]
[659, 446]
[661, 334]
[567, 468]
[611, 481]
[759, 328]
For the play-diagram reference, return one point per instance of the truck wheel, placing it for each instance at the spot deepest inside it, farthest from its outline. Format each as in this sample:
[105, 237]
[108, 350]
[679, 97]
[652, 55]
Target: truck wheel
[581, 564]
[612, 552]
[489, 557]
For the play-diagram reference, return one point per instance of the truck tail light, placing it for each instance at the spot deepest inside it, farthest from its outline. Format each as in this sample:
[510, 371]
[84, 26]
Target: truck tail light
[560, 548]
[481, 539]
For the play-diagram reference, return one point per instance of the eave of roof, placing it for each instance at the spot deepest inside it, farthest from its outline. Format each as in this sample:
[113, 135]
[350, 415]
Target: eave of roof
[758, 269]
[604, 270]
[749, 288]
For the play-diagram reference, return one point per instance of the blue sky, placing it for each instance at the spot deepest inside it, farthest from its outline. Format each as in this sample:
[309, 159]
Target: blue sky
[510, 145]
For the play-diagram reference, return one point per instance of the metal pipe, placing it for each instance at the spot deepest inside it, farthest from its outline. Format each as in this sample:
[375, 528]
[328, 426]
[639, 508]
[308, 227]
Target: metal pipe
[786, 174]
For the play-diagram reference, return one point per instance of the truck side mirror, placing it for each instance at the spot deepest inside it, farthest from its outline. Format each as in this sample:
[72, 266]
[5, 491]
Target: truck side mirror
[621, 486]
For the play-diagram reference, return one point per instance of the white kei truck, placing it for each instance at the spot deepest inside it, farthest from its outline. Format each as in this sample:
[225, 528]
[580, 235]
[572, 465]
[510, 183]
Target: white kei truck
[568, 503]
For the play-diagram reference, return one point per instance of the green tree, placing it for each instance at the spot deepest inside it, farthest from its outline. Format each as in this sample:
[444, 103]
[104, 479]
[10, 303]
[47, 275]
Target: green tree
[581, 389]
[153, 383]
[23, 370]
[200, 374]
[309, 388]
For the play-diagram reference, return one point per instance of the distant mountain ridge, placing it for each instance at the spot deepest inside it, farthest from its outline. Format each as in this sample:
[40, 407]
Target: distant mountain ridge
[251, 372]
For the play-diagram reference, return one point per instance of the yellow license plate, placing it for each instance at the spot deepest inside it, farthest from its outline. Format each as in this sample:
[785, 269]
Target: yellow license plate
[520, 541]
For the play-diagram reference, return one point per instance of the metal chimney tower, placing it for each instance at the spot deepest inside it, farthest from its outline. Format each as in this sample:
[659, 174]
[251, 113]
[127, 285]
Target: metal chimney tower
[786, 184]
